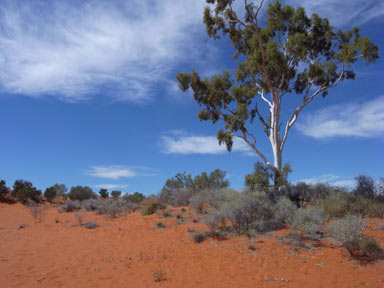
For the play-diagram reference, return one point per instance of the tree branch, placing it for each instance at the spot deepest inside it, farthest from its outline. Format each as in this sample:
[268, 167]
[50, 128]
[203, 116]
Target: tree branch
[306, 101]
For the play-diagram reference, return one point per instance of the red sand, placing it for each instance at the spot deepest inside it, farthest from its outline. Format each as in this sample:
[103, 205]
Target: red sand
[128, 251]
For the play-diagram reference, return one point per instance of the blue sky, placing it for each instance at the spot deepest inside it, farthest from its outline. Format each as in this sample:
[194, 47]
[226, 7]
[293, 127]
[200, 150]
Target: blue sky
[88, 97]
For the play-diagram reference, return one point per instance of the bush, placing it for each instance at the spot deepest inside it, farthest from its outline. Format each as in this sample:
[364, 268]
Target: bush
[81, 193]
[24, 191]
[3, 189]
[69, 206]
[37, 213]
[212, 221]
[348, 229]
[365, 249]
[309, 221]
[365, 187]
[79, 215]
[50, 193]
[150, 208]
[91, 225]
[135, 197]
[199, 237]
[115, 194]
[160, 225]
[113, 208]
[335, 206]
[104, 193]
[91, 204]
[284, 210]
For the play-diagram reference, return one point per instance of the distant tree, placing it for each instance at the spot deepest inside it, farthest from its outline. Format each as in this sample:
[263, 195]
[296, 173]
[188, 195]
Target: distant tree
[365, 187]
[261, 178]
[60, 189]
[115, 194]
[214, 181]
[3, 189]
[104, 193]
[135, 197]
[24, 191]
[180, 181]
[50, 193]
[81, 193]
[283, 54]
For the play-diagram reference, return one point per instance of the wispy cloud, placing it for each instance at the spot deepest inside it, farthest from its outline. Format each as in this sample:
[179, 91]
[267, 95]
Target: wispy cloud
[353, 12]
[111, 172]
[180, 143]
[72, 51]
[354, 119]
[331, 179]
[111, 186]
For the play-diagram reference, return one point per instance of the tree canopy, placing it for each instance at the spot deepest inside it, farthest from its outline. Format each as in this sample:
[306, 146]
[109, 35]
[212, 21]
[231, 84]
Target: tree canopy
[284, 54]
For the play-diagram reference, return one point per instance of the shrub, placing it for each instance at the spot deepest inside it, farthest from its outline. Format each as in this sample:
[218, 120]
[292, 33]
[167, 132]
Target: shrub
[159, 275]
[365, 249]
[115, 194]
[113, 208]
[104, 193]
[336, 205]
[199, 237]
[50, 193]
[81, 193]
[284, 210]
[212, 221]
[167, 214]
[135, 197]
[3, 189]
[365, 187]
[24, 191]
[150, 208]
[160, 225]
[60, 189]
[79, 215]
[348, 229]
[91, 204]
[309, 221]
[91, 225]
[37, 213]
[69, 206]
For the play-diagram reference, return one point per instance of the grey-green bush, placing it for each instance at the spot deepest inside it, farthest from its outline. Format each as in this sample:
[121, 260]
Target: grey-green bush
[309, 221]
[81, 193]
[347, 229]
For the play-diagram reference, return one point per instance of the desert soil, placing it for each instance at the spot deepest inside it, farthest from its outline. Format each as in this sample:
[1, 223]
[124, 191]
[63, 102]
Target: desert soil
[131, 252]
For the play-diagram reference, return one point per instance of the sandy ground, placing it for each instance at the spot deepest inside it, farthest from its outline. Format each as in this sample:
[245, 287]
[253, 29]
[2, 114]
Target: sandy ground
[131, 252]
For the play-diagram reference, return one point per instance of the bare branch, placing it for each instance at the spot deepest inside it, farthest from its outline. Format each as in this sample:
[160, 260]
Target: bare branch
[306, 101]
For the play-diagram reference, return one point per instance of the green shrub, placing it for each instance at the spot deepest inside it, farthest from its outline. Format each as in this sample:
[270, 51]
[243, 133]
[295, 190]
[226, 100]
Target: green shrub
[24, 191]
[50, 193]
[160, 225]
[115, 194]
[284, 210]
[3, 189]
[348, 229]
[135, 197]
[150, 208]
[104, 193]
[81, 193]
[309, 221]
[335, 206]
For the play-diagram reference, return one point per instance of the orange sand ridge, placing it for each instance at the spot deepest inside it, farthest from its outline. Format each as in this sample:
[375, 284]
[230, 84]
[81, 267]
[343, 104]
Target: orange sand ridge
[131, 252]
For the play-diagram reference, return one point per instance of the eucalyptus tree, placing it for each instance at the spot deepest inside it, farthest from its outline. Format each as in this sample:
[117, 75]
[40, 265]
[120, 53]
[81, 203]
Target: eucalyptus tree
[285, 53]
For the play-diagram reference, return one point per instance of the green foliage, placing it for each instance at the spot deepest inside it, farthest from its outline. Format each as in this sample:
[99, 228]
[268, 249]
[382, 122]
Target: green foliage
[24, 191]
[136, 197]
[286, 53]
[199, 237]
[50, 193]
[309, 221]
[81, 193]
[150, 208]
[259, 179]
[179, 189]
[365, 187]
[104, 193]
[3, 189]
[60, 189]
[116, 194]
[348, 229]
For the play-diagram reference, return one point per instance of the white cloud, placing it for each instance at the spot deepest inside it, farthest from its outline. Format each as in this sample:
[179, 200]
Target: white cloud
[111, 172]
[345, 183]
[353, 12]
[355, 119]
[111, 186]
[320, 179]
[71, 51]
[181, 144]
